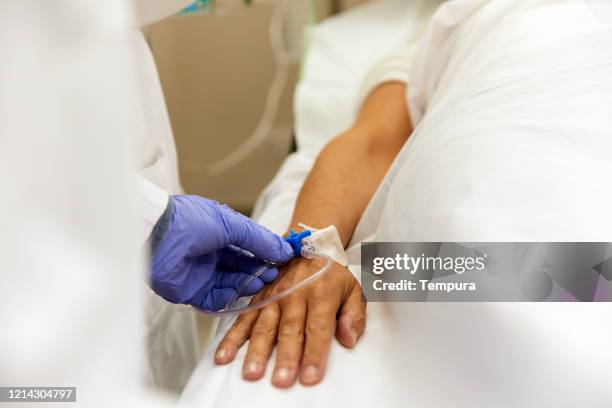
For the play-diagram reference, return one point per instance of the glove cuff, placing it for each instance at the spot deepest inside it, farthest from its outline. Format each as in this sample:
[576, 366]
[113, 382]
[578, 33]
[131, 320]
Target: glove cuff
[161, 227]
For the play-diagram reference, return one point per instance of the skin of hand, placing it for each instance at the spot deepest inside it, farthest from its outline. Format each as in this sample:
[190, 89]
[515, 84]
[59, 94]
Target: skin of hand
[301, 325]
[346, 174]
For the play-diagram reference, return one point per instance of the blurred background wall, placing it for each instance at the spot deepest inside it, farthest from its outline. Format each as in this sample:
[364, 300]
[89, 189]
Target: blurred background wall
[216, 69]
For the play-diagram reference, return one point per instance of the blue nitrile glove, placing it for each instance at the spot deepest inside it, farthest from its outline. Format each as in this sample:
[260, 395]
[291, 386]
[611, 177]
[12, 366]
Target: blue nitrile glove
[200, 260]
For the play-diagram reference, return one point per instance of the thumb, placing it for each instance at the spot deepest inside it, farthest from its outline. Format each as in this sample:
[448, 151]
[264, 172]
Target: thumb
[351, 319]
[250, 236]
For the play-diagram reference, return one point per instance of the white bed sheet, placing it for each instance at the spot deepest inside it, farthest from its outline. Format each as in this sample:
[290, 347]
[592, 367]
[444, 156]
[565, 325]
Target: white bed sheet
[472, 171]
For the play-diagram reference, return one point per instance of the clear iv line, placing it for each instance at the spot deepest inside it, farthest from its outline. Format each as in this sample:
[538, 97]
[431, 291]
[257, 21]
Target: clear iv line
[307, 252]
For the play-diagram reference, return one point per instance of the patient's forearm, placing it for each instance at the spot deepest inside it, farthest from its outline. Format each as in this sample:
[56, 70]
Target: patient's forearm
[349, 169]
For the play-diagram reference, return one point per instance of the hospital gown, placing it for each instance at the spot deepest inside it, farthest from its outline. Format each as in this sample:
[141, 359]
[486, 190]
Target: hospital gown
[511, 104]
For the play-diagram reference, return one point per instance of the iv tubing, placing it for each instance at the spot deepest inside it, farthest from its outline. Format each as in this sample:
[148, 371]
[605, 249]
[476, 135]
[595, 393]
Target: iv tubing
[275, 297]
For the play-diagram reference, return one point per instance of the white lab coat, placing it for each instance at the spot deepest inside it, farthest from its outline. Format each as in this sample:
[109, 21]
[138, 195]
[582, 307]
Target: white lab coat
[81, 112]
[171, 335]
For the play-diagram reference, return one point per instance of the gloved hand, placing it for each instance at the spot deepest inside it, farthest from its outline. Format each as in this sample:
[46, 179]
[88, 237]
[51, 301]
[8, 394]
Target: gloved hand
[201, 260]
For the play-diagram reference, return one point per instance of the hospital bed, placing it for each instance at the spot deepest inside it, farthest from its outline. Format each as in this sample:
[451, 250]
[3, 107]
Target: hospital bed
[479, 354]
[342, 51]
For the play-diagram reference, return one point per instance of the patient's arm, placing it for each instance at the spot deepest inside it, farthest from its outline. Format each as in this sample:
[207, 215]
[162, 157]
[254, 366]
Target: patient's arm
[344, 178]
[350, 168]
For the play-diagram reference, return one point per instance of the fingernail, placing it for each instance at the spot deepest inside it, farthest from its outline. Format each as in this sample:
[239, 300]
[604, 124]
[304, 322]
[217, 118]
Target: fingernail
[281, 374]
[252, 367]
[310, 375]
[221, 354]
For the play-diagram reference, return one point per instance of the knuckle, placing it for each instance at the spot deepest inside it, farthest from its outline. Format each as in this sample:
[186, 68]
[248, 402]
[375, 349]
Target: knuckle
[314, 358]
[289, 357]
[254, 355]
[235, 334]
[360, 320]
[290, 331]
[320, 292]
[288, 361]
[244, 320]
[235, 328]
[271, 311]
[228, 343]
[225, 342]
[317, 327]
[295, 300]
[263, 330]
[359, 324]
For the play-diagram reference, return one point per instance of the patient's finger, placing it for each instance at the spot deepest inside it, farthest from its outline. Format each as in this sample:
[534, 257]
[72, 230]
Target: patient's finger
[351, 319]
[261, 343]
[290, 341]
[320, 326]
[235, 337]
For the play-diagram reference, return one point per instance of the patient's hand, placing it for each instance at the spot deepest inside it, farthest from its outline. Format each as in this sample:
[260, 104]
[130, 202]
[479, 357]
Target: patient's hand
[302, 324]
